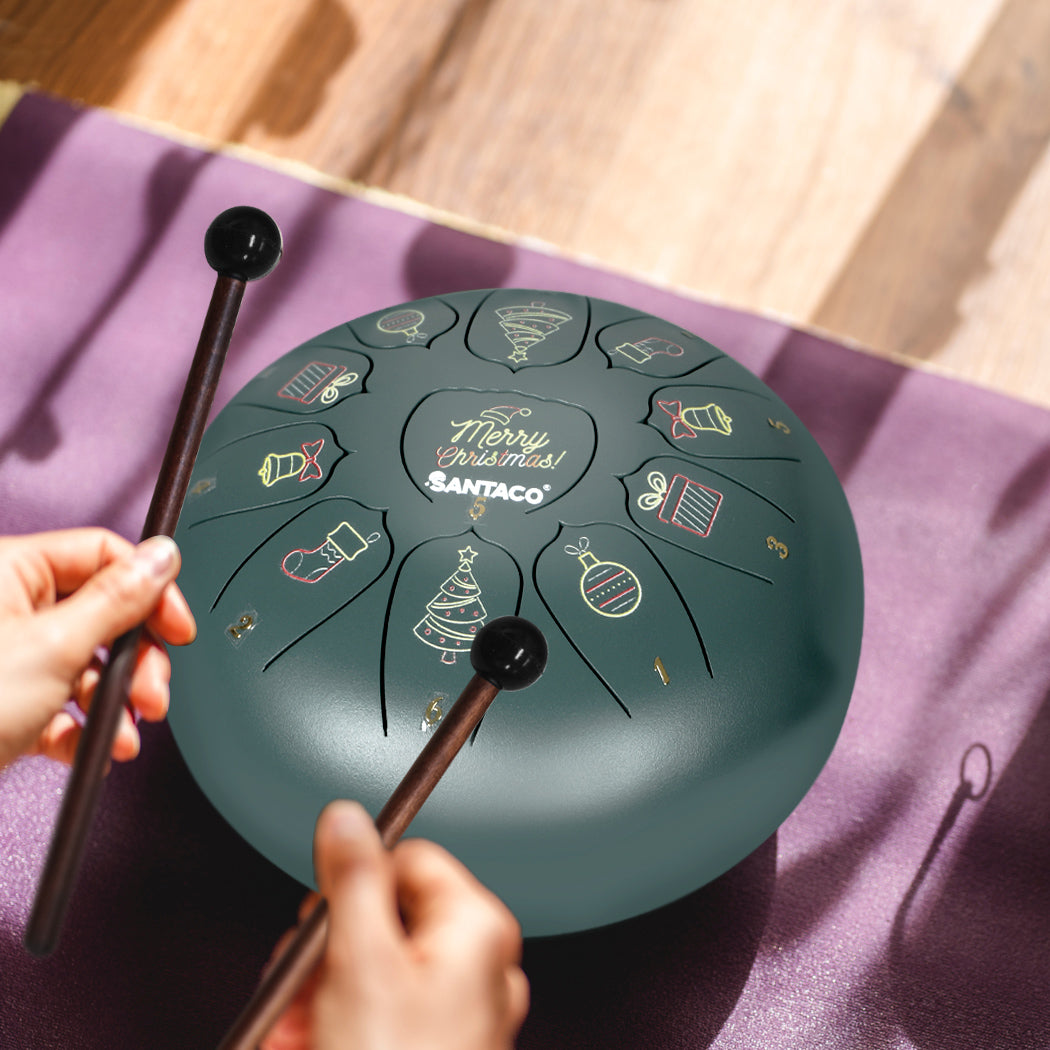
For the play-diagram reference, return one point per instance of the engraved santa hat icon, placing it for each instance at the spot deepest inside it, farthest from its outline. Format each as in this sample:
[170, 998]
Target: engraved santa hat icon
[505, 413]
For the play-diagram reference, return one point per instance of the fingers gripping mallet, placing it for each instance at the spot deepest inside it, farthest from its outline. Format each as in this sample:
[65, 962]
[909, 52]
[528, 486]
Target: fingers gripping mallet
[508, 653]
[241, 245]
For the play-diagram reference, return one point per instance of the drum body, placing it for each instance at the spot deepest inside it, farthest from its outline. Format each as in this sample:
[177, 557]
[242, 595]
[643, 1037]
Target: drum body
[363, 506]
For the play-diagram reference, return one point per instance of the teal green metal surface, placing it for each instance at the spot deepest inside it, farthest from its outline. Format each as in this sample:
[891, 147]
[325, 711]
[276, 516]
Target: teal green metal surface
[375, 496]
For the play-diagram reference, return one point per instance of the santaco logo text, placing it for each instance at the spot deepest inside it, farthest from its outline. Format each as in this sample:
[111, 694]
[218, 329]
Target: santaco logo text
[438, 481]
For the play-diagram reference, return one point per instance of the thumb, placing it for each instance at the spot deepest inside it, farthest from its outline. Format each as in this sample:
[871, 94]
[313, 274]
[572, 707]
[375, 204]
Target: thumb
[356, 877]
[111, 601]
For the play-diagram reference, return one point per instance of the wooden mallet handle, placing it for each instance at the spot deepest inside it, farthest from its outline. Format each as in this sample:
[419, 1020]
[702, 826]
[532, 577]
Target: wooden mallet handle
[508, 653]
[242, 244]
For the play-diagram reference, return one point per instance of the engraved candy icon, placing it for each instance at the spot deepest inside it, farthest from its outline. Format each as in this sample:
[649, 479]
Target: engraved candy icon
[609, 588]
[687, 422]
[342, 544]
[646, 349]
[455, 613]
[529, 324]
[685, 503]
[300, 465]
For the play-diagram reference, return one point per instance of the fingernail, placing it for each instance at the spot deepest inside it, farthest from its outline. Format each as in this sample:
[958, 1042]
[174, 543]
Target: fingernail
[157, 555]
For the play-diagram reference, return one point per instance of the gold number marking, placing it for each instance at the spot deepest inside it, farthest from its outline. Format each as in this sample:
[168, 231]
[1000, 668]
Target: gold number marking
[238, 630]
[658, 667]
[432, 714]
[775, 545]
[778, 424]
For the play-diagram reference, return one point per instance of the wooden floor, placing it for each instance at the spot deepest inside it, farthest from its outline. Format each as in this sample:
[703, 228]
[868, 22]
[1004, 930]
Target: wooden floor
[874, 168]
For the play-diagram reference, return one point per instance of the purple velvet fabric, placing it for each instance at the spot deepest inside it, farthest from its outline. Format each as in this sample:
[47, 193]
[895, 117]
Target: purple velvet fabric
[906, 902]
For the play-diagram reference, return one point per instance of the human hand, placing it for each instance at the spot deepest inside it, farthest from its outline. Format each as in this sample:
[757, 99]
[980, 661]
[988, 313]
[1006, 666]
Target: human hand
[419, 955]
[63, 595]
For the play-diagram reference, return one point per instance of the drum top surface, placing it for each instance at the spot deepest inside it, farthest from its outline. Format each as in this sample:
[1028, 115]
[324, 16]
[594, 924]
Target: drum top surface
[379, 493]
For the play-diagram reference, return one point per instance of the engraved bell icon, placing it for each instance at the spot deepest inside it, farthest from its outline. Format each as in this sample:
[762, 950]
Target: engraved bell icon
[302, 465]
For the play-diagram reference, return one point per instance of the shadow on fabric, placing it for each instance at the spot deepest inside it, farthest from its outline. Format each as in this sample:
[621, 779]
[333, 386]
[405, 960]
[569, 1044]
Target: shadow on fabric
[970, 965]
[174, 916]
[842, 424]
[441, 260]
[667, 979]
[35, 434]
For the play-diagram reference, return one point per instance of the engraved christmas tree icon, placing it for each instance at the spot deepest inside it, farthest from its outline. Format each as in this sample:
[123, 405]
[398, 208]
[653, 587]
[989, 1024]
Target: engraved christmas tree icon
[455, 613]
[527, 325]
[609, 588]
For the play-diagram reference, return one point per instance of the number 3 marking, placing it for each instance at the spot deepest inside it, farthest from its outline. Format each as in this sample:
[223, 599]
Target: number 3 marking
[775, 545]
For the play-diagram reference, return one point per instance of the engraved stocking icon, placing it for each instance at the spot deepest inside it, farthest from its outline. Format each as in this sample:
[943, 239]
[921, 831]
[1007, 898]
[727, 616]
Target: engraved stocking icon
[343, 543]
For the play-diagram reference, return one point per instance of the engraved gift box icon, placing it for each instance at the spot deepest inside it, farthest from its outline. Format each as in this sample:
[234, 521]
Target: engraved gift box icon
[317, 380]
[683, 502]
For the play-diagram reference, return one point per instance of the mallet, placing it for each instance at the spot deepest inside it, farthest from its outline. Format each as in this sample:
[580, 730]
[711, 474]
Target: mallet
[508, 653]
[242, 244]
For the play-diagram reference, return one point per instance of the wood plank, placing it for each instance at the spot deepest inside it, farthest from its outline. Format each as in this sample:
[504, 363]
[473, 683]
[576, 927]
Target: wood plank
[944, 270]
[877, 170]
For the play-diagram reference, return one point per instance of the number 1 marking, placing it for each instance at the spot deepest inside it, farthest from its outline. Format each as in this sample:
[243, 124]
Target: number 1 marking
[658, 667]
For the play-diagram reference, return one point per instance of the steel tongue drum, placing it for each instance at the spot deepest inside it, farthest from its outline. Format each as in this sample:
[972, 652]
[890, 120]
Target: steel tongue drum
[372, 499]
